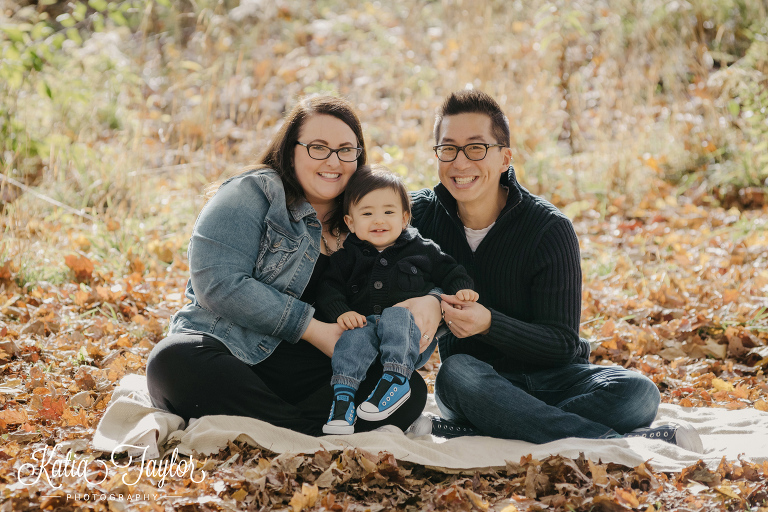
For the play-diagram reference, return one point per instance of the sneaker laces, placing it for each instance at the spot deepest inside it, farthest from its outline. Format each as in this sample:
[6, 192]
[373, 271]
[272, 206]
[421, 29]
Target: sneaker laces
[382, 390]
[444, 428]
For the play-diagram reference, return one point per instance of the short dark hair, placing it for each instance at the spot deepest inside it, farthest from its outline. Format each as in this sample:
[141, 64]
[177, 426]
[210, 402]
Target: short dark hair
[279, 154]
[374, 177]
[472, 101]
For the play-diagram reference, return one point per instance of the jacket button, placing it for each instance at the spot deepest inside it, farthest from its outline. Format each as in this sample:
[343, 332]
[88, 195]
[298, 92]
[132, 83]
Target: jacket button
[377, 310]
[383, 262]
[413, 270]
[276, 244]
[354, 288]
[378, 285]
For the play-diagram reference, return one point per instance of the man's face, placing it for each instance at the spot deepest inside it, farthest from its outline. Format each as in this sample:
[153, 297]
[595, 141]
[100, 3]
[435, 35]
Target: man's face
[471, 182]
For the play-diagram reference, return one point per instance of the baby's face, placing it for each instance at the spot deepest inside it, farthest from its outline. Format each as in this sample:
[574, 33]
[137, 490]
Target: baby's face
[378, 218]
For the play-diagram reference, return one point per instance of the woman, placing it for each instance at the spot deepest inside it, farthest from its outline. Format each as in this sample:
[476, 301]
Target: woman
[249, 344]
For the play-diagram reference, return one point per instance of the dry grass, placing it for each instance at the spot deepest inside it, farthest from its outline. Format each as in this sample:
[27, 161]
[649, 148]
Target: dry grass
[608, 104]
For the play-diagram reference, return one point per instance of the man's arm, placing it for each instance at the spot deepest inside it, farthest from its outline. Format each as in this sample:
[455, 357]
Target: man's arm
[551, 337]
[446, 272]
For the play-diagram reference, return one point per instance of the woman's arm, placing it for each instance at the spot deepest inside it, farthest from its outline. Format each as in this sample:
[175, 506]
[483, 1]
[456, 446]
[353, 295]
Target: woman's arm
[323, 336]
[223, 251]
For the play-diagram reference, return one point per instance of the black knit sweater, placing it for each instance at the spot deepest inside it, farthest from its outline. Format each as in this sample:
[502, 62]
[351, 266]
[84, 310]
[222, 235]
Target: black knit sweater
[362, 279]
[527, 271]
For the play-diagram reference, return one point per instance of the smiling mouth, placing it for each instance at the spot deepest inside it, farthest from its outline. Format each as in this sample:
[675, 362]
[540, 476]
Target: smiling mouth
[464, 181]
[330, 175]
[379, 230]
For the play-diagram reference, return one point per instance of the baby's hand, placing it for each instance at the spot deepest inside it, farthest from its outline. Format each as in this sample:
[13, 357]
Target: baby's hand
[467, 295]
[351, 320]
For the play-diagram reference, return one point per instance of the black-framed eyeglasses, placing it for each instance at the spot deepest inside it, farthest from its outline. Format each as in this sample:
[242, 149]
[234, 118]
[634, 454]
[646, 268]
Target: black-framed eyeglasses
[320, 152]
[475, 151]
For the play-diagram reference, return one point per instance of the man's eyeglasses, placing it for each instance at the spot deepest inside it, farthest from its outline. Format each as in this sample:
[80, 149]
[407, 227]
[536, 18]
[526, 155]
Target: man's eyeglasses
[320, 152]
[474, 151]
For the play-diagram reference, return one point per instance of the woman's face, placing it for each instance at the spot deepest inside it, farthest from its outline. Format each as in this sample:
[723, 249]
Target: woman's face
[323, 180]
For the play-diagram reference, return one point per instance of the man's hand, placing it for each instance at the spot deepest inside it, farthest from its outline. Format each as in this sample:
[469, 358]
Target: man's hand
[467, 295]
[426, 313]
[351, 320]
[465, 318]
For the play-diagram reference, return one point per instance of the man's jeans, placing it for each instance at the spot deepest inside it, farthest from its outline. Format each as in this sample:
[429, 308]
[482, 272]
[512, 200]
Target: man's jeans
[578, 400]
[394, 334]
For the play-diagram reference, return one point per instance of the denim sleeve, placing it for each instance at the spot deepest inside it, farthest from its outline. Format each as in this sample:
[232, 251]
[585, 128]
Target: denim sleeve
[551, 337]
[223, 252]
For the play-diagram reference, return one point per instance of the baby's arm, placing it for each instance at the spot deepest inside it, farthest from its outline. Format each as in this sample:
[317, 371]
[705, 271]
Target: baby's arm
[467, 295]
[351, 320]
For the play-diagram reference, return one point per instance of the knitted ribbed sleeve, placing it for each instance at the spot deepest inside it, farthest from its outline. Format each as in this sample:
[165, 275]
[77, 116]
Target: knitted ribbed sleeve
[527, 271]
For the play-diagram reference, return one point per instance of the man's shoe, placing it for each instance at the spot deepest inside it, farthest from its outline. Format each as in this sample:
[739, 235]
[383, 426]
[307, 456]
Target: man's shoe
[342, 419]
[678, 432]
[426, 425]
[421, 427]
[388, 396]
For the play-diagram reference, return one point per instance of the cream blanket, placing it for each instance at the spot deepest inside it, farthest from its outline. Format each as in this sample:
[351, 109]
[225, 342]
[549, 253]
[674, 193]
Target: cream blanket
[131, 424]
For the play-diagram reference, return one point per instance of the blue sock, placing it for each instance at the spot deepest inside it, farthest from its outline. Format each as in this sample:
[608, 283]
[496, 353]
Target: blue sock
[341, 389]
[396, 377]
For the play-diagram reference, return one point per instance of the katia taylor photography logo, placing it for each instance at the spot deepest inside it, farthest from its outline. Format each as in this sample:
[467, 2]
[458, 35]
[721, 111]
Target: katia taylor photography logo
[51, 465]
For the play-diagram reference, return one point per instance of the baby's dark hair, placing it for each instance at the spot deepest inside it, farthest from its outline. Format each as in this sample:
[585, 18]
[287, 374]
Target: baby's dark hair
[368, 178]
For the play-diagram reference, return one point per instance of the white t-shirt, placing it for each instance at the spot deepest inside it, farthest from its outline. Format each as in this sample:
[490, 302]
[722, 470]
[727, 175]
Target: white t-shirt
[475, 236]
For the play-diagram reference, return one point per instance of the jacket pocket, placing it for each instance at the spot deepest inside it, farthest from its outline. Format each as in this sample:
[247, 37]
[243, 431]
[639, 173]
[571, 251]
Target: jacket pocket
[276, 248]
[409, 276]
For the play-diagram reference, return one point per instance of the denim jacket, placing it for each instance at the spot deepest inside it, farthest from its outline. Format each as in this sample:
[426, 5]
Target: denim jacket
[250, 258]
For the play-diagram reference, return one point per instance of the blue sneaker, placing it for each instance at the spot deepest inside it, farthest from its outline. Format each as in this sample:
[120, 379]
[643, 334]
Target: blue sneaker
[342, 418]
[388, 396]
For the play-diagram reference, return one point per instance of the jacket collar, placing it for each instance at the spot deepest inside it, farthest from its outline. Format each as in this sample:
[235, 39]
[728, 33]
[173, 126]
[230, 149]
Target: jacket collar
[300, 210]
[508, 179]
[406, 236]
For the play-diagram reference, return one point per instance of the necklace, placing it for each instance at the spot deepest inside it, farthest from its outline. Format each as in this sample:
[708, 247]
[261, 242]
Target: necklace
[328, 247]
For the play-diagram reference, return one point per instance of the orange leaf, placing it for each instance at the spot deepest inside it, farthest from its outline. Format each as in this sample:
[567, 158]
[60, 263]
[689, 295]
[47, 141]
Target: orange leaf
[13, 416]
[81, 266]
[5, 271]
[74, 419]
[627, 498]
[52, 409]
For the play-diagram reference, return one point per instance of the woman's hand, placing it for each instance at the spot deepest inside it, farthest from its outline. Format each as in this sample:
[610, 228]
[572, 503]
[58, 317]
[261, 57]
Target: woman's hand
[465, 318]
[323, 336]
[426, 313]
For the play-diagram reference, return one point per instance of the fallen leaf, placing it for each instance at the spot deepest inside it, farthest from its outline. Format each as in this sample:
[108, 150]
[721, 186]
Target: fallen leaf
[81, 266]
[14, 416]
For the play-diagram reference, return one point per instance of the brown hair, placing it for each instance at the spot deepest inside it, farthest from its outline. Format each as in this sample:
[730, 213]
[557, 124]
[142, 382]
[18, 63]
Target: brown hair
[374, 177]
[279, 154]
[474, 102]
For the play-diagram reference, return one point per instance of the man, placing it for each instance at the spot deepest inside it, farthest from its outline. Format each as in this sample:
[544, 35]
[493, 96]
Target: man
[514, 366]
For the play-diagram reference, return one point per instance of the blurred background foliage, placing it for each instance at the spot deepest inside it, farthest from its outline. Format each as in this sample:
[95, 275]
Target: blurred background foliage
[129, 109]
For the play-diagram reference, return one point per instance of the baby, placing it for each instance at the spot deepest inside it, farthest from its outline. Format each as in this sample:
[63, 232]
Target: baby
[383, 262]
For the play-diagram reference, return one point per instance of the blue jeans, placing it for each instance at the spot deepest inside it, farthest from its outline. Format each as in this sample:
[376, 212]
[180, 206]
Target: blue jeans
[577, 400]
[393, 334]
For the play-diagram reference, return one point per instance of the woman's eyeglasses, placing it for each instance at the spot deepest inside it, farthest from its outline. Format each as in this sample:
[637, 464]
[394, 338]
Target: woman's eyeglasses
[320, 152]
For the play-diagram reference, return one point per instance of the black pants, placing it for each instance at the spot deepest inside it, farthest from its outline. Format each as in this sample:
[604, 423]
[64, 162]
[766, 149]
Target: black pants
[194, 375]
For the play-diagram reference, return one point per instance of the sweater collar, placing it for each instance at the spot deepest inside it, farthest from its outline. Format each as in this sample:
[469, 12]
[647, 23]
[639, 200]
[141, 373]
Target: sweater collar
[508, 179]
[406, 236]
